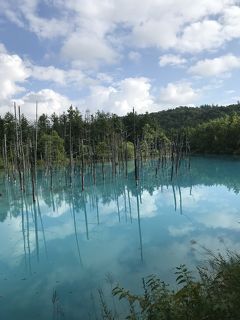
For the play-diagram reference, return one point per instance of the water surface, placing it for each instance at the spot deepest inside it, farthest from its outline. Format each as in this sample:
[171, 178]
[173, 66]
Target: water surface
[77, 242]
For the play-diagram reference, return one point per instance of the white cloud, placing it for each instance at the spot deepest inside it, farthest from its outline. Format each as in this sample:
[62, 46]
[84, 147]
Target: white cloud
[88, 49]
[180, 93]
[49, 73]
[93, 33]
[48, 100]
[216, 66]
[172, 60]
[60, 76]
[90, 28]
[15, 72]
[12, 73]
[182, 25]
[122, 97]
[48, 28]
[199, 36]
[25, 13]
[119, 97]
[231, 22]
[145, 34]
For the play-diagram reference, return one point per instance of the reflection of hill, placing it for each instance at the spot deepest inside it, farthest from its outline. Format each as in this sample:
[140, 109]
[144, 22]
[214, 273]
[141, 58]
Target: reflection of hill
[214, 171]
[204, 171]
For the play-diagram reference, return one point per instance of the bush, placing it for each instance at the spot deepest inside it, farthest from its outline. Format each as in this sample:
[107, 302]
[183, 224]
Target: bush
[214, 296]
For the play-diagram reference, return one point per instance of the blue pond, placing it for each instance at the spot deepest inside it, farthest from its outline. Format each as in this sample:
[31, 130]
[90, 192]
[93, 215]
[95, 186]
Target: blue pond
[70, 244]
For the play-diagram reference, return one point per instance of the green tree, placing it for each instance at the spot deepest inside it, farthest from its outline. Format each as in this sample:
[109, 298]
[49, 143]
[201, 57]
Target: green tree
[51, 147]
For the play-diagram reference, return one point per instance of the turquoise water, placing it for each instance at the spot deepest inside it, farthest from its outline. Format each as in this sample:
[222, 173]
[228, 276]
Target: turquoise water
[75, 242]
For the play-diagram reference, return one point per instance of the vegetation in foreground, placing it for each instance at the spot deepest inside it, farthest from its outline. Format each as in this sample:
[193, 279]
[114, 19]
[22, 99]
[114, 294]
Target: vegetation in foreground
[214, 295]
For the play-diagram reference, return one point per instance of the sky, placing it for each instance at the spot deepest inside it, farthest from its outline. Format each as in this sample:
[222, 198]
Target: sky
[113, 55]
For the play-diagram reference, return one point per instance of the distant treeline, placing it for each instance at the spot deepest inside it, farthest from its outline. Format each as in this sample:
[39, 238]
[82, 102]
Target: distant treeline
[183, 117]
[209, 129]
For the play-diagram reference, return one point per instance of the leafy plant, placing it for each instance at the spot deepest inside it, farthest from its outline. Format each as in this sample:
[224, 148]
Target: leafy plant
[214, 295]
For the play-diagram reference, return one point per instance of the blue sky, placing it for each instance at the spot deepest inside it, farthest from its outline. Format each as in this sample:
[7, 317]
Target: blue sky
[115, 54]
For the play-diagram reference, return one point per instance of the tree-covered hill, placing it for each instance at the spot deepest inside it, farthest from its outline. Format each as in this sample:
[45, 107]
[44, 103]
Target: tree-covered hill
[183, 117]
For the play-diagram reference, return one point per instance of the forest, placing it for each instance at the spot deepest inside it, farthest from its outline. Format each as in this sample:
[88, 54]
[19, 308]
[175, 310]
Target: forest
[207, 130]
